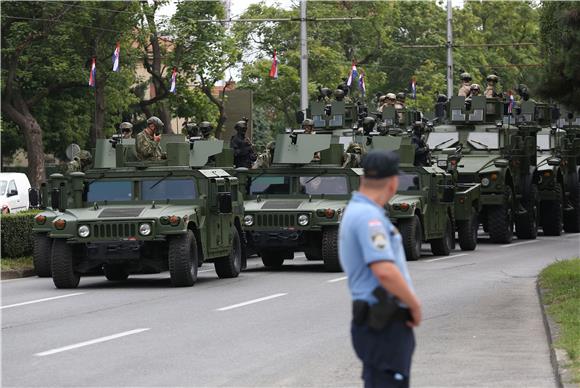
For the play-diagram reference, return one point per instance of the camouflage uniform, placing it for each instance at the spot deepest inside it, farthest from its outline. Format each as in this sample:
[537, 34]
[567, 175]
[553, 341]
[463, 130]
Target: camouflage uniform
[464, 89]
[352, 156]
[266, 158]
[147, 148]
[80, 162]
[492, 80]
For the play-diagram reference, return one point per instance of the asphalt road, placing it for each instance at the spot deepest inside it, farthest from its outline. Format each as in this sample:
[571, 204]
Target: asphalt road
[482, 327]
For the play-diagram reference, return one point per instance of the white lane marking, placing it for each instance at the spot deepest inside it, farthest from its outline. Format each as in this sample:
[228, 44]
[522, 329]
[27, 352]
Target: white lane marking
[91, 342]
[40, 300]
[235, 306]
[520, 243]
[337, 279]
[445, 258]
[205, 270]
[18, 279]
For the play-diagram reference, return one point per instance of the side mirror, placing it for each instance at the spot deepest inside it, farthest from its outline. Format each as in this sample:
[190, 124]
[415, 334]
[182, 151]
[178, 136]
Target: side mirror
[501, 163]
[55, 199]
[448, 194]
[34, 198]
[225, 203]
[12, 193]
[554, 161]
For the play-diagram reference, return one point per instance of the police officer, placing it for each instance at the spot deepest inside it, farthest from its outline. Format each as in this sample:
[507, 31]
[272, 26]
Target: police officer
[126, 129]
[244, 154]
[385, 307]
[465, 87]
[147, 142]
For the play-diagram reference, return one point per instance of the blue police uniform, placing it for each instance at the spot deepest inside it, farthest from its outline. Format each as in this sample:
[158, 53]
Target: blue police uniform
[367, 236]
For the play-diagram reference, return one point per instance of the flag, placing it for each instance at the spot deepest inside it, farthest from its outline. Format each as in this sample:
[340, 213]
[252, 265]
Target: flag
[274, 68]
[361, 83]
[173, 87]
[116, 57]
[413, 88]
[511, 102]
[93, 75]
[352, 75]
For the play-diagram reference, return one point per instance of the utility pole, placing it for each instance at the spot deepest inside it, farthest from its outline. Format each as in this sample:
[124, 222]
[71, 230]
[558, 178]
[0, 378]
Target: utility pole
[303, 59]
[449, 50]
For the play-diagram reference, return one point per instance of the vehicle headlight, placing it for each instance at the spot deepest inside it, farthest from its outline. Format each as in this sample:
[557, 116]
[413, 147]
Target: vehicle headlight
[84, 231]
[485, 182]
[303, 220]
[144, 229]
[248, 220]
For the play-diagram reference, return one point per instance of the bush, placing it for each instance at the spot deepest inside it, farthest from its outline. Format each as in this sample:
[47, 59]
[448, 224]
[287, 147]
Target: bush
[16, 234]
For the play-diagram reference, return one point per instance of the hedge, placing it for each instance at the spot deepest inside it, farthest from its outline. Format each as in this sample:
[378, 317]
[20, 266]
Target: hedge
[16, 234]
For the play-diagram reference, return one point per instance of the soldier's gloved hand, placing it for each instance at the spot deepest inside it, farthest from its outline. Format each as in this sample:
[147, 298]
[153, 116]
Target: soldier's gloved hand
[157, 138]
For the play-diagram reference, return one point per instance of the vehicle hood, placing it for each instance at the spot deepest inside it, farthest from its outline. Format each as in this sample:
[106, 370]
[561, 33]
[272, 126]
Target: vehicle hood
[293, 204]
[118, 212]
[477, 163]
[410, 199]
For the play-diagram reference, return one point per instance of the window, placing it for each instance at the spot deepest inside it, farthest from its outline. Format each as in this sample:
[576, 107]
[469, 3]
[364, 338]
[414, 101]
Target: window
[327, 185]
[270, 185]
[441, 140]
[543, 142]
[12, 187]
[483, 140]
[409, 182]
[110, 191]
[3, 185]
[156, 189]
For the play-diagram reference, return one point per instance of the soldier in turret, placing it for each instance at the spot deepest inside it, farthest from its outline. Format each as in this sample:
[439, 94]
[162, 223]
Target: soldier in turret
[266, 158]
[244, 154]
[126, 129]
[81, 162]
[490, 91]
[206, 130]
[352, 156]
[382, 100]
[400, 101]
[391, 99]
[465, 87]
[308, 126]
[147, 142]
[421, 148]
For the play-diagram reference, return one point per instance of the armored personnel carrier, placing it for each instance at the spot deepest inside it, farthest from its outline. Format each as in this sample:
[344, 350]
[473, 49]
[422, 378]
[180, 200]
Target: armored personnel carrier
[128, 216]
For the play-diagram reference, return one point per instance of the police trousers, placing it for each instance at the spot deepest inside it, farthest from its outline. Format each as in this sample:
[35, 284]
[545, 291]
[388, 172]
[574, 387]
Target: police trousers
[386, 354]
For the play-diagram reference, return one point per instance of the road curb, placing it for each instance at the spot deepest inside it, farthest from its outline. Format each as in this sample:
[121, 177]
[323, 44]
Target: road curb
[16, 273]
[558, 357]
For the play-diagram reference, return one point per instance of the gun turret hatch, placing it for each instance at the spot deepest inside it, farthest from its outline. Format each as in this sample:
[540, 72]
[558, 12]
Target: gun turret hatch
[105, 155]
[299, 148]
[202, 150]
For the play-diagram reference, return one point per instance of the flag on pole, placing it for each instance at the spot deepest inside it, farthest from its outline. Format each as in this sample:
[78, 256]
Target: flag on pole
[274, 68]
[173, 87]
[93, 74]
[116, 57]
[361, 83]
[413, 88]
[352, 75]
[511, 102]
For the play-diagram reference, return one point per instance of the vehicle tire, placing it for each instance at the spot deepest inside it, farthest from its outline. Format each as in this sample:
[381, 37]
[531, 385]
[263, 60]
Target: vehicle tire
[552, 214]
[443, 246]
[115, 272]
[183, 260]
[500, 220]
[62, 265]
[412, 236]
[273, 258]
[330, 250]
[230, 266]
[527, 224]
[41, 252]
[572, 216]
[314, 253]
[467, 233]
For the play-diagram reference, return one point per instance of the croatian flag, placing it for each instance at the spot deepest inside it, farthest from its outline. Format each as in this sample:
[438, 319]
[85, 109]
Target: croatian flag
[361, 84]
[116, 57]
[511, 102]
[274, 68]
[93, 75]
[413, 88]
[352, 75]
[173, 87]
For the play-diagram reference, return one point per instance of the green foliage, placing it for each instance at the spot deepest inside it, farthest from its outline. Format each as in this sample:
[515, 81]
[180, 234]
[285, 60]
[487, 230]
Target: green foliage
[17, 233]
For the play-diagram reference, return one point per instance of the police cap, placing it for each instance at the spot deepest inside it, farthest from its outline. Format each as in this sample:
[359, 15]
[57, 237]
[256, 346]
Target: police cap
[379, 164]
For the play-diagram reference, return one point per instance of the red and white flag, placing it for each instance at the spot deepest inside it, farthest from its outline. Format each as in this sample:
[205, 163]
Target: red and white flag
[173, 87]
[93, 74]
[274, 68]
[116, 54]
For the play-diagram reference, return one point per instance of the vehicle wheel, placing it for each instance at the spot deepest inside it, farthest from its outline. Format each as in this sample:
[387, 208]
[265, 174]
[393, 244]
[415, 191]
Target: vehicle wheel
[572, 216]
[552, 213]
[500, 220]
[330, 250]
[527, 224]
[313, 253]
[115, 272]
[230, 266]
[183, 260]
[41, 252]
[274, 258]
[443, 246]
[62, 265]
[467, 233]
[412, 235]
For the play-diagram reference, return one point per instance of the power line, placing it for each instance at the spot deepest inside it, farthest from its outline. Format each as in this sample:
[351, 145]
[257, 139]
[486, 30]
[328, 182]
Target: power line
[64, 22]
[469, 45]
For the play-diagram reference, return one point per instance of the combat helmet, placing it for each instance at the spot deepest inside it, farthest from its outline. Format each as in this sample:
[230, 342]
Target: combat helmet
[205, 127]
[339, 94]
[391, 96]
[368, 124]
[308, 122]
[465, 76]
[155, 120]
[475, 87]
[240, 125]
[354, 148]
[125, 126]
[401, 96]
[492, 78]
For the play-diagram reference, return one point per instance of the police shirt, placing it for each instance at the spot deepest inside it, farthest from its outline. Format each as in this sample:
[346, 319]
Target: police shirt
[367, 236]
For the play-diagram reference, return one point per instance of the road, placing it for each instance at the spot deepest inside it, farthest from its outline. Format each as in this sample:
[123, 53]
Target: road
[482, 327]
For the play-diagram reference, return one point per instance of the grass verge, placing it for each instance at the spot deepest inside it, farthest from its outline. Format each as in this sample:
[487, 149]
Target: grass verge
[561, 283]
[18, 263]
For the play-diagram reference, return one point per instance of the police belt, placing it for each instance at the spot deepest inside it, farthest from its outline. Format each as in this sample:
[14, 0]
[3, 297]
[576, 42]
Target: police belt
[377, 316]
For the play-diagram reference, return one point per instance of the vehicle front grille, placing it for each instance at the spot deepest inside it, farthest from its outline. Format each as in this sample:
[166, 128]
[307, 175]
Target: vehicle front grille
[114, 231]
[277, 220]
[467, 178]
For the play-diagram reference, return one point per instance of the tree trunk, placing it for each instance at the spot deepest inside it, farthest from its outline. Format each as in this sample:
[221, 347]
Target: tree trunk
[165, 116]
[97, 128]
[219, 104]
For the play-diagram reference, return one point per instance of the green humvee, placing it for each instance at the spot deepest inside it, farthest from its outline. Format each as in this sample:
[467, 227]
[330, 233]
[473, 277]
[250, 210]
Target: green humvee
[129, 216]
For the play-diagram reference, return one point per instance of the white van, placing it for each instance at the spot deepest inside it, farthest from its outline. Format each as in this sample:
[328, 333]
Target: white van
[14, 192]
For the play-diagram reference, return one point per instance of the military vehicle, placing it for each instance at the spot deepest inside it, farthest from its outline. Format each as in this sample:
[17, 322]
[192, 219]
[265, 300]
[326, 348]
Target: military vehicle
[296, 204]
[499, 151]
[129, 216]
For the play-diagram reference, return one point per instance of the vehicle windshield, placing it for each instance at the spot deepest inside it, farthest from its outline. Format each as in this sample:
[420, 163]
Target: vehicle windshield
[110, 191]
[3, 185]
[409, 182]
[270, 185]
[543, 142]
[327, 185]
[157, 190]
[441, 140]
[484, 140]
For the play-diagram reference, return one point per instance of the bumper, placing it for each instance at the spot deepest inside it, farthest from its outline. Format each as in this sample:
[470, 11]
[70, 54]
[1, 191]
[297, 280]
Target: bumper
[276, 239]
[492, 199]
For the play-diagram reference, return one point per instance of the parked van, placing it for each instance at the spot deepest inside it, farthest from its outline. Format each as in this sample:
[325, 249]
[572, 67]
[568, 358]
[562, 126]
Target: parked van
[14, 192]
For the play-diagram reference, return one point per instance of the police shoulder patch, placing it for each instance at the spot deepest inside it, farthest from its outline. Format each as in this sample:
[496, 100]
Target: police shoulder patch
[378, 233]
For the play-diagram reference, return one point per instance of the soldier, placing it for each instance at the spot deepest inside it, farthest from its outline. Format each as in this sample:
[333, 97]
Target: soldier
[147, 143]
[421, 148]
[244, 154]
[465, 86]
[266, 158]
[491, 80]
[126, 129]
[400, 101]
[206, 130]
[391, 99]
[308, 126]
[381, 103]
[80, 162]
[352, 156]
[191, 129]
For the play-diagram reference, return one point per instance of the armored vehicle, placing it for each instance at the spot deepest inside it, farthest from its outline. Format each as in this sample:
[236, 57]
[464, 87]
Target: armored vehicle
[499, 151]
[129, 216]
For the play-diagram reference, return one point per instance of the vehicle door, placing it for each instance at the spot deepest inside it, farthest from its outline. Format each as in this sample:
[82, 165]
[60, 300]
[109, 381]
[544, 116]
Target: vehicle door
[13, 199]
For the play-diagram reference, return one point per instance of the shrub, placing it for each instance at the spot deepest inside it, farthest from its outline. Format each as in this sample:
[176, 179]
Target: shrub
[16, 234]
